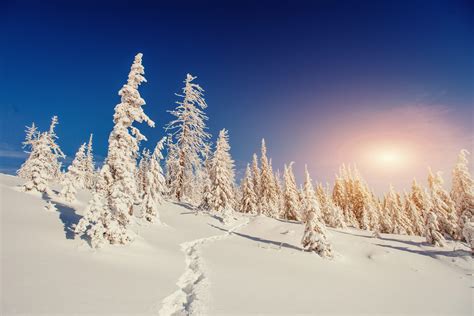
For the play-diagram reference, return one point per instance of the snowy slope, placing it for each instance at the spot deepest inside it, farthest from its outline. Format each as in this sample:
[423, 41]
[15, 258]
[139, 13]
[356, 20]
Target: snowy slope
[196, 264]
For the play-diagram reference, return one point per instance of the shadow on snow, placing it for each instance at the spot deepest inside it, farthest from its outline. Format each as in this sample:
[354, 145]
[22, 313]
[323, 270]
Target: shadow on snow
[258, 239]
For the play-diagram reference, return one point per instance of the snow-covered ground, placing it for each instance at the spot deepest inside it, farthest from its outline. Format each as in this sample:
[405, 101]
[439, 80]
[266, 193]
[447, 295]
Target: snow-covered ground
[195, 264]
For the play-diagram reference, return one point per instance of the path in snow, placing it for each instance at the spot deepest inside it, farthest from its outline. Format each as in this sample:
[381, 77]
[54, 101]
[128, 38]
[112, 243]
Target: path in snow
[192, 294]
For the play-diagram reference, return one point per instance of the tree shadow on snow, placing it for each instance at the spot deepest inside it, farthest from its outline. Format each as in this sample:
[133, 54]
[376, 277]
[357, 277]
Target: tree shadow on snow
[433, 254]
[186, 205]
[258, 239]
[352, 234]
[69, 217]
[409, 242]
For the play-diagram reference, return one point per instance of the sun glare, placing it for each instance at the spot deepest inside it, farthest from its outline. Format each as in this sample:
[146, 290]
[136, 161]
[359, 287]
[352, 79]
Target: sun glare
[390, 157]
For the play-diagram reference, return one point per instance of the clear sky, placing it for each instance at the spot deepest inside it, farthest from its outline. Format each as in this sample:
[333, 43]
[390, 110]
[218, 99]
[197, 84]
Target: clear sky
[387, 85]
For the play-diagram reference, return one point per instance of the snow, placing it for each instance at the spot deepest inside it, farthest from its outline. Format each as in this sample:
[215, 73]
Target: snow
[251, 266]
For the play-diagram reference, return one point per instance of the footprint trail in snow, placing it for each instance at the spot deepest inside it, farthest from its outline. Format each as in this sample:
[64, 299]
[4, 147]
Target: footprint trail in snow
[192, 295]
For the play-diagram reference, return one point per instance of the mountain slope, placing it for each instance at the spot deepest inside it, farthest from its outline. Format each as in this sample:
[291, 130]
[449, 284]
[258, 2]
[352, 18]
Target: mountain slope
[258, 268]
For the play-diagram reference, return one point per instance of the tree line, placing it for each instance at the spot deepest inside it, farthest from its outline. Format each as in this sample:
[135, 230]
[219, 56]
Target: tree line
[132, 184]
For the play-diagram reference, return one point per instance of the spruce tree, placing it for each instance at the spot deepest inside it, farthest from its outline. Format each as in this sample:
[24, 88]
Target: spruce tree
[143, 166]
[256, 180]
[291, 201]
[420, 198]
[314, 236]
[222, 176]
[443, 206]
[189, 140]
[462, 190]
[35, 169]
[117, 183]
[248, 202]
[432, 230]
[75, 176]
[89, 166]
[414, 218]
[42, 165]
[268, 195]
[154, 184]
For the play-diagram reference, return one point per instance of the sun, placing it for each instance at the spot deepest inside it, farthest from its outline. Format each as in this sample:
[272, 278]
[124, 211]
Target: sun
[391, 157]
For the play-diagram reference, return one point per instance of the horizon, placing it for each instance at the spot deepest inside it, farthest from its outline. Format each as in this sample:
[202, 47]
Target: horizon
[390, 92]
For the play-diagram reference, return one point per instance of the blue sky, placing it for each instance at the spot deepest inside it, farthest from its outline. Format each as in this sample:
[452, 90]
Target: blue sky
[320, 80]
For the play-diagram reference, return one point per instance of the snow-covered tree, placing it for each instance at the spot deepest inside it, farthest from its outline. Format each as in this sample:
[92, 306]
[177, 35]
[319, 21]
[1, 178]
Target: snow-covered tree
[57, 154]
[256, 179]
[98, 223]
[154, 184]
[443, 206]
[468, 234]
[31, 139]
[331, 213]
[89, 166]
[190, 137]
[414, 218]
[248, 202]
[75, 176]
[314, 236]
[339, 198]
[291, 200]
[35, 169]
[268, 195]
[117, 181]
[420, 198]
[43, 163]
[222, 176]
[432, 231]
[394, 208]
[462, 190]
[143, 166]
[205, 180]
[279, 191]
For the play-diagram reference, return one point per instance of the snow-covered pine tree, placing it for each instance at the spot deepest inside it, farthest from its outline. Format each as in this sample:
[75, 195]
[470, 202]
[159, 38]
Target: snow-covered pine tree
[443, 206]
[89, 166]
[54, 166]
[278, 191]
[314, 236]
[338, 197]
[385, 215]
[36, 167]
[432, 231]
[248, 202]
[468, 234]
[75, 176]
[190, 137]
[204, 177]
[331, 213]
[117, 177]
[268, 196]
[143, 166]
[42, 165]
[414, 218]
[291, 200]
[31, 139]
[256, 180]
[462, 190]
[344, 197]
[154, 184]
[222, 176]
[421, 198]
[98, 223]
[394, 208]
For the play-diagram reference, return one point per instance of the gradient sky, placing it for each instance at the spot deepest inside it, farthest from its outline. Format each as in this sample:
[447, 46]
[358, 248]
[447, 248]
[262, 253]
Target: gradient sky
[324, 82]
